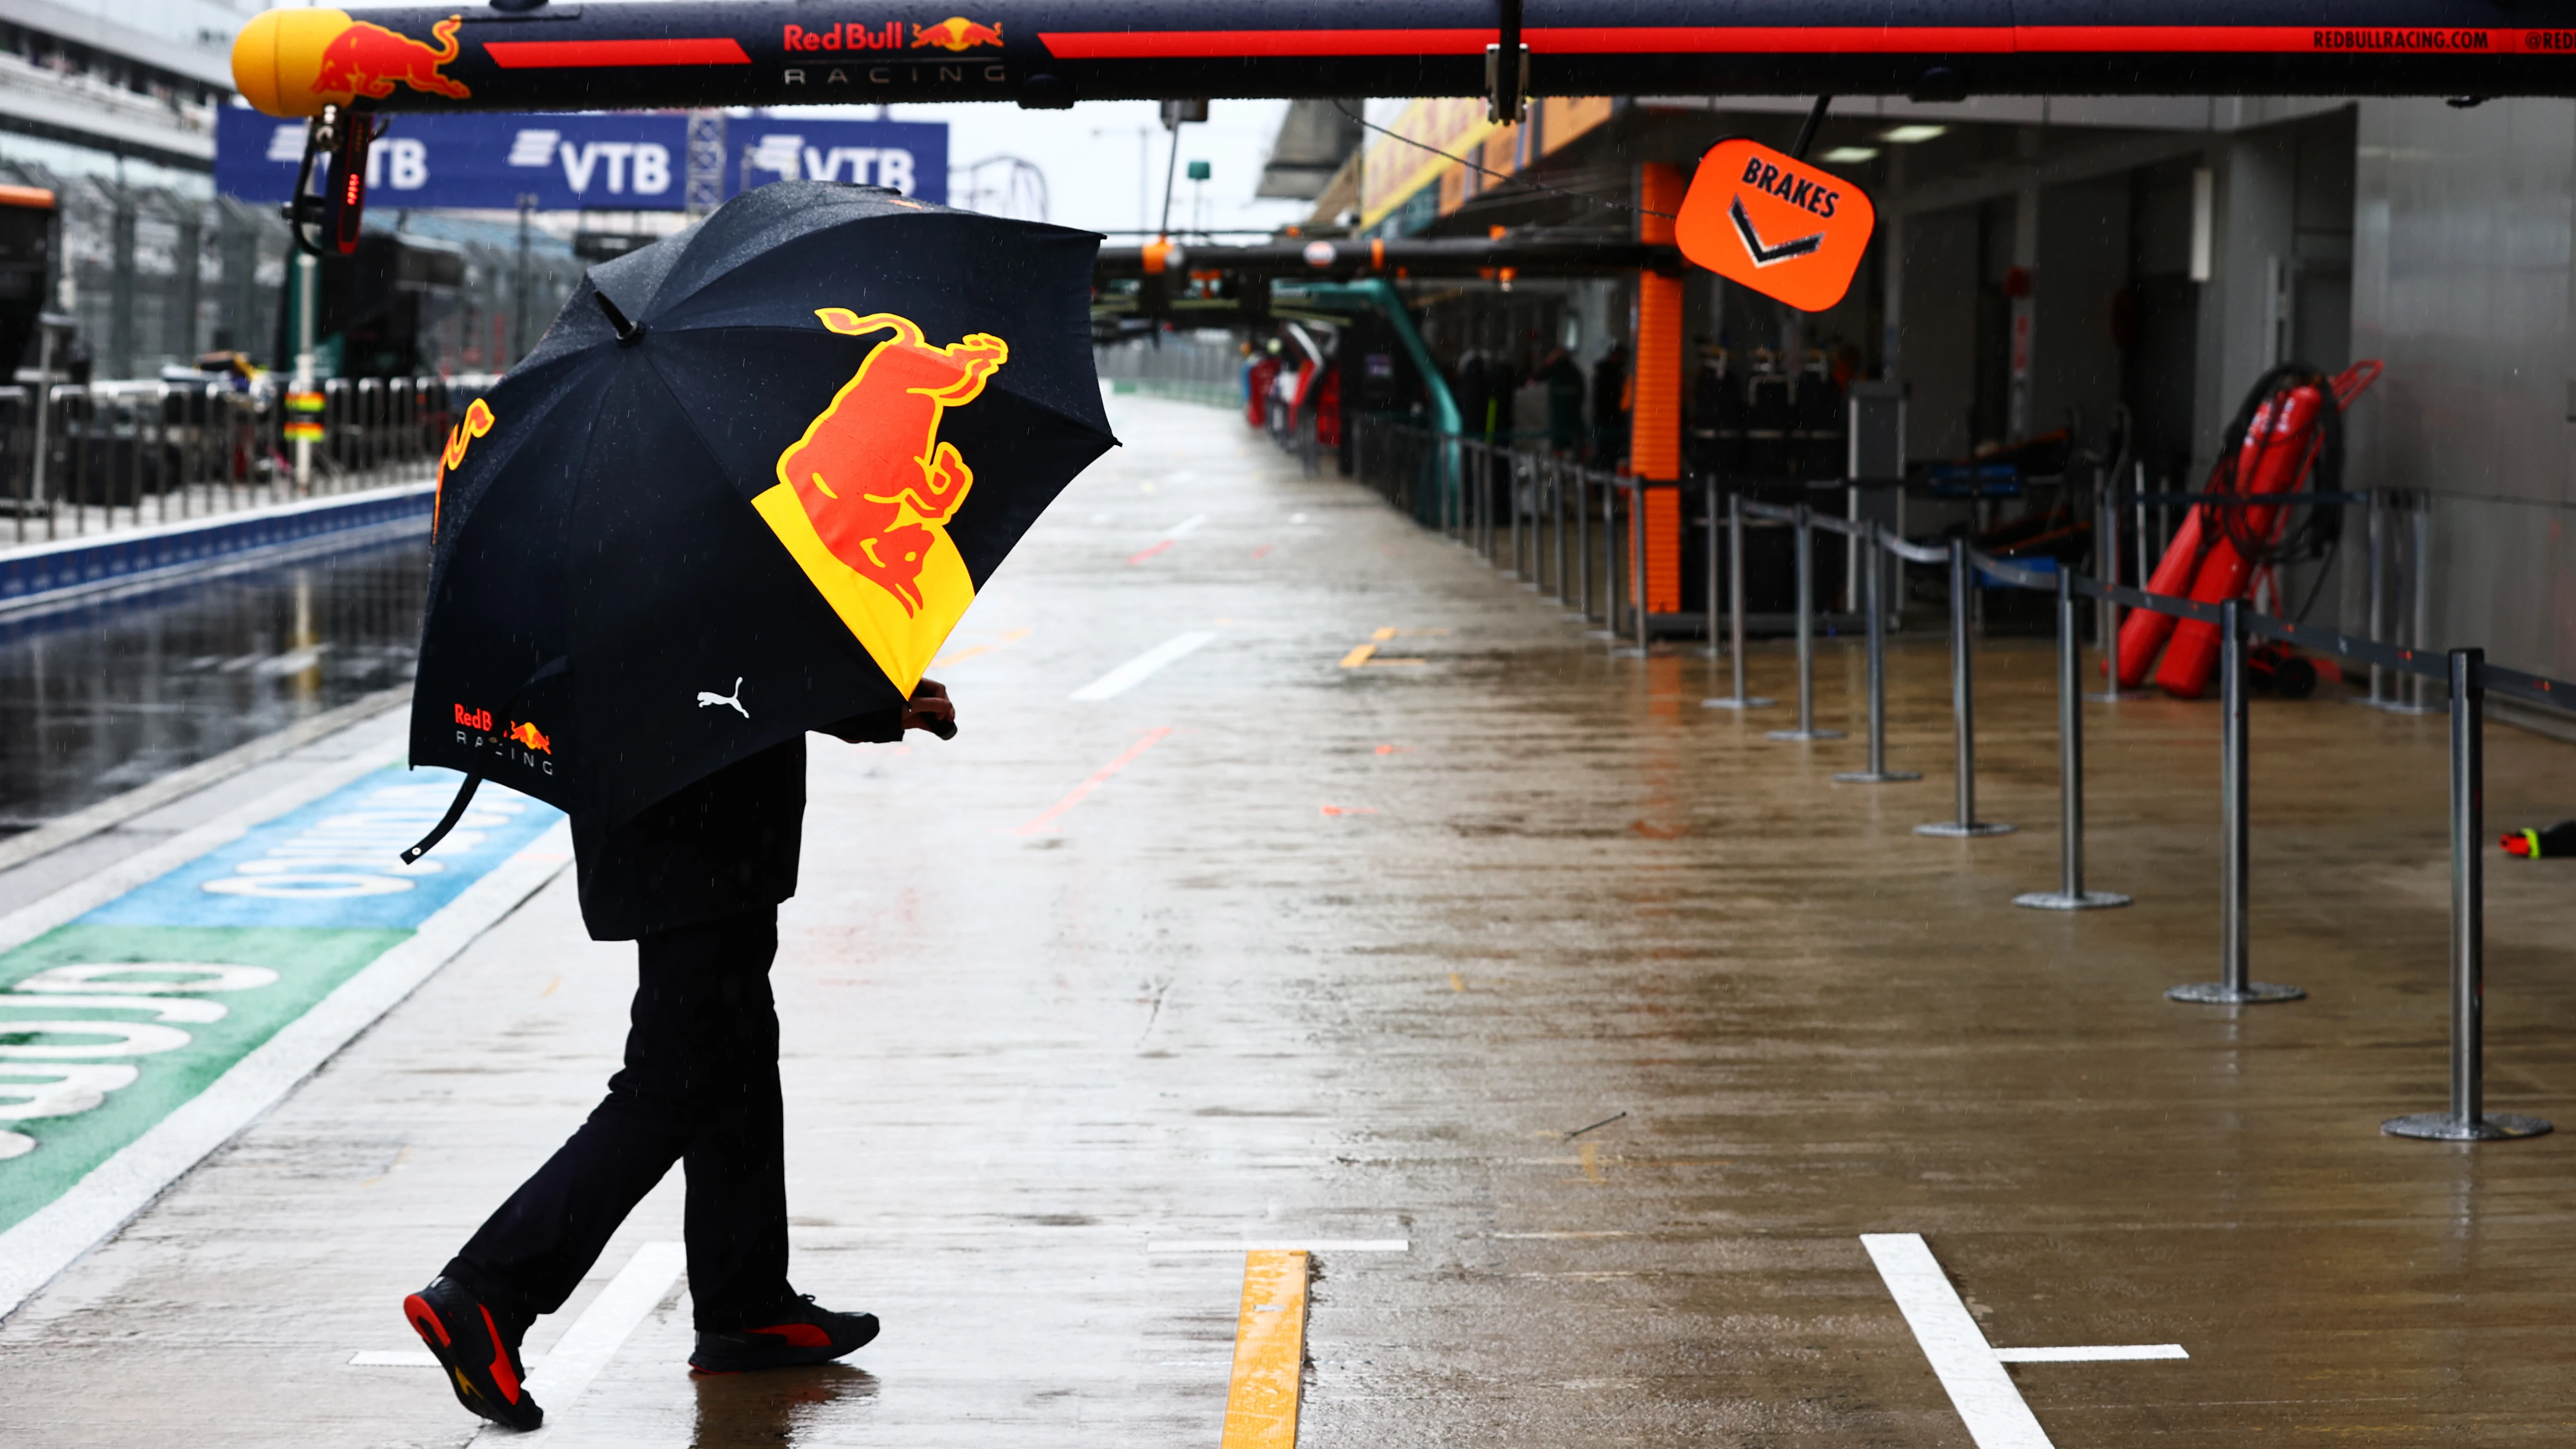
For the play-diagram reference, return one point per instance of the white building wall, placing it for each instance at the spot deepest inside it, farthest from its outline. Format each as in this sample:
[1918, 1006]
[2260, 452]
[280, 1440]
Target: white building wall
[2461, 285]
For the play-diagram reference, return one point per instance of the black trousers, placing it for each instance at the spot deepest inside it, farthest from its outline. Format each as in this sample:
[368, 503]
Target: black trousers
[700, 1086]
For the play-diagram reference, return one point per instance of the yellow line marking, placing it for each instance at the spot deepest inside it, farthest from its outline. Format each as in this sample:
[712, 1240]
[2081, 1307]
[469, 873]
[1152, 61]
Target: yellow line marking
[550, 987]
[1358, 656]
[1457, 982]
[1384, 634]
[399, 1159]
[1269, 1349]
[1013, 636]
[1590, 1157]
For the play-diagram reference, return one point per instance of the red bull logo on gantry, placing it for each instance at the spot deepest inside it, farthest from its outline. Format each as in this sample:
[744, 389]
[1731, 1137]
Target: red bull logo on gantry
[865, 497]
[956, 33]
[369, 60]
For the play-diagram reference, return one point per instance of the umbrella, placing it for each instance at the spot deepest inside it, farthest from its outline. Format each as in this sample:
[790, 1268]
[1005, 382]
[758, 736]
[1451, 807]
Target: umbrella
[745, 487]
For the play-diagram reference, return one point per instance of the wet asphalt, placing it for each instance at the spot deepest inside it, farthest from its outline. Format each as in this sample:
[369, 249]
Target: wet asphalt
[1328, 954]
[102, 696]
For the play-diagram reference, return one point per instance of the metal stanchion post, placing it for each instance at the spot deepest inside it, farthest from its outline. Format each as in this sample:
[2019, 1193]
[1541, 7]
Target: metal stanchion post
[2070, 894]
[2235, 986]
[1637, 562]
[1710, 489]
[1580, 599]
[2468, 1119]
[1512, 481]
[1451, 465]
[2145, 565]
[1556, 501]
[2408, 696]
[1873, 572]
[2106, 547]
[1963, 701]
[2420, 636]
[1485, 503]
[1851, 548]
[1735, 609]
[1613, 568]
[1472, 496]
[1804, 535]
[2378, 597]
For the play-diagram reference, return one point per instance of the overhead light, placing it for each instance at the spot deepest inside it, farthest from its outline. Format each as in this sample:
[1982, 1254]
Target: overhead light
[1852, 155]
[1908, 135]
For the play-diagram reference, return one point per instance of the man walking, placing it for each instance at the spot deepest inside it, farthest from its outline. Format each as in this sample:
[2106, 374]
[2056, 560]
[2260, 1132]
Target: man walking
[695, 881]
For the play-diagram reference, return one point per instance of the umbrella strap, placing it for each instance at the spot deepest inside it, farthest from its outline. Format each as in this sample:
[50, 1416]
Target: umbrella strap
[465, 792]
[447, 822]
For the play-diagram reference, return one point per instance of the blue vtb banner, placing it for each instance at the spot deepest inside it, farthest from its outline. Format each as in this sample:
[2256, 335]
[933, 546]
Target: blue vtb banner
[599, 162]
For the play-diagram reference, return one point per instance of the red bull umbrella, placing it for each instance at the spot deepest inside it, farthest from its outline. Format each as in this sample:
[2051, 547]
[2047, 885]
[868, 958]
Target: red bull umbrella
[745, 487]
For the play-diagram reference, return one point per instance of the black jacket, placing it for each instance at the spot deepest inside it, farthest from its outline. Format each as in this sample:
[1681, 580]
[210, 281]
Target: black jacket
[722, 846]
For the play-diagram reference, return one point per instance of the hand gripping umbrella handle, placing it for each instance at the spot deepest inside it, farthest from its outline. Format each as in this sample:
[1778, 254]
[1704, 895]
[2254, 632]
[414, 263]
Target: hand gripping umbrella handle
[447, 822]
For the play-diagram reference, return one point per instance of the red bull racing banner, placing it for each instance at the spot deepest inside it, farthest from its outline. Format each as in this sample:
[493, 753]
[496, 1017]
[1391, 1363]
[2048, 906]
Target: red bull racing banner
[613, 54]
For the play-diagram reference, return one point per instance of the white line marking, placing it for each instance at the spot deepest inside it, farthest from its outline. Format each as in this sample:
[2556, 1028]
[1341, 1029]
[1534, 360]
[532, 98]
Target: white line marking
[1185, 527]
[594, 1338]
[1137, 670]
[54, 1236]
[2094, 1353]
[1979, 1388]
[1282, 1245]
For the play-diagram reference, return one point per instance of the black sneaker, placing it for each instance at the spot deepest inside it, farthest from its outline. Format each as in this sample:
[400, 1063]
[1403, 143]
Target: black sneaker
[482, 1362]
[795, 1333]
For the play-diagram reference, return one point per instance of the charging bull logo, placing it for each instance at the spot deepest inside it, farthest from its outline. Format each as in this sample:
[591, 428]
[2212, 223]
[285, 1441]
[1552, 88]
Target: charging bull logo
[476, 423]
[865, 497]
[956, 33]
[368, 60]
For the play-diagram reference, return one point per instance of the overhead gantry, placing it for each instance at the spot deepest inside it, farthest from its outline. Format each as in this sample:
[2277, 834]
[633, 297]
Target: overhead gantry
[624, 54]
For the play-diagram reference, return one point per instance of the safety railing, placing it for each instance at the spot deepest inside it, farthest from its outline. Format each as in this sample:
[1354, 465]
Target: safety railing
[104, 456]
[1532, 515]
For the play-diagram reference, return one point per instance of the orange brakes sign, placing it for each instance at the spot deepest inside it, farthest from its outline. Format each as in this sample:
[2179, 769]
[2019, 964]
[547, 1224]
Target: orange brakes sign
[1777, 225]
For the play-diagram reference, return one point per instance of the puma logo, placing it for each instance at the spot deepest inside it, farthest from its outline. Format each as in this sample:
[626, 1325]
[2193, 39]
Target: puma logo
[734, 700]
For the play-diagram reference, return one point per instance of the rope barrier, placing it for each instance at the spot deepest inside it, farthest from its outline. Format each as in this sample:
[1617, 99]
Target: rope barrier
[2469, 676]
[2013, 573]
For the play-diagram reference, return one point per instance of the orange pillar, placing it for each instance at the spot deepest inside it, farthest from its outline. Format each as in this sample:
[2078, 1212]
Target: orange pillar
[1655, 427]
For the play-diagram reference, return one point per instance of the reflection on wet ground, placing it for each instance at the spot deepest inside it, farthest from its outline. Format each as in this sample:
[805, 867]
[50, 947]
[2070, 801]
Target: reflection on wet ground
[1623, 1020]
[101, 697]
[758, 1411]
